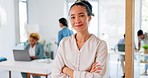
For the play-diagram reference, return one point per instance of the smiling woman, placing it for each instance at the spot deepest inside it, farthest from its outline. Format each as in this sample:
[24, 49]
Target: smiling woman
[73, 52]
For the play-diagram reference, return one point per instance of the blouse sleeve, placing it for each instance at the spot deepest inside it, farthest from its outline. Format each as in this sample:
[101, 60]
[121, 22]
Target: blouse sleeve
[101, 57]
[60, 36]
[58, 64]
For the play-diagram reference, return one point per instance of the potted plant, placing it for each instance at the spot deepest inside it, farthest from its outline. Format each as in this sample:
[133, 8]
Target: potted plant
[145, 47]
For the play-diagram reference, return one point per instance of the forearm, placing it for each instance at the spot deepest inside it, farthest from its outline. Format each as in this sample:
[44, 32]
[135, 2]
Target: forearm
[86, 74]
[80, 74]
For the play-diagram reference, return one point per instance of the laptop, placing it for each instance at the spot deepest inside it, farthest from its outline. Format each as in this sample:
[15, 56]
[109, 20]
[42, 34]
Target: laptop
[121, 47]
[21, 55]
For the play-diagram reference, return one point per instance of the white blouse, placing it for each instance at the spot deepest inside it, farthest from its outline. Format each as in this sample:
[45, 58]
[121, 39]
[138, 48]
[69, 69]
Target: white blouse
[32, 50]
[68, 54]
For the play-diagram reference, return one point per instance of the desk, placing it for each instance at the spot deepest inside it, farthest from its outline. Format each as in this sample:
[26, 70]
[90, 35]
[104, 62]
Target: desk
[28, 67]
[139, 62]
[118, 53]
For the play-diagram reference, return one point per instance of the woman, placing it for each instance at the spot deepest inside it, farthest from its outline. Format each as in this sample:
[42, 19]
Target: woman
[81, 55]
[36, 50]
[64, 32]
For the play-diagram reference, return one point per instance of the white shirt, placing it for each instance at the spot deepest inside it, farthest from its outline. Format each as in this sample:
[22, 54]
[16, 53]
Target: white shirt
[32, 51]
[121, 41]
[68, 54]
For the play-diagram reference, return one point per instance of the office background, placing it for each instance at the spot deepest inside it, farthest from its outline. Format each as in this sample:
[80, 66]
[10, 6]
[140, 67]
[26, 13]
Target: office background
[45, 13]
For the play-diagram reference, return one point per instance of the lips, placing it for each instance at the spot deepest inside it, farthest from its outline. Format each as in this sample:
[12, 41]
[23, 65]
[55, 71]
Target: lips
[79, 25]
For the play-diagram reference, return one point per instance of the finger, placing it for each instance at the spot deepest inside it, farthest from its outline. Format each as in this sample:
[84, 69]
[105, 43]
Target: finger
[97, 65]
[94, 64]
[97, 71]
[97, 68]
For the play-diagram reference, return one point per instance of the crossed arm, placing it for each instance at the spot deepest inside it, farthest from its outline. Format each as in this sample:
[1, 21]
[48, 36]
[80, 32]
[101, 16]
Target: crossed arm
[96, 68]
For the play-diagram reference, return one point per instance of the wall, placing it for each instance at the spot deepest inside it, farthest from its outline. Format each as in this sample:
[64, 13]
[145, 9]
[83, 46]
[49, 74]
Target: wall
[46, 13]
[7, 30]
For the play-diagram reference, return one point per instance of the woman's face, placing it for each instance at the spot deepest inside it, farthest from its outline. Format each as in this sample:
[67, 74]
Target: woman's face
[32, 41]
[79, 18]
[141, 37]
[61, 25]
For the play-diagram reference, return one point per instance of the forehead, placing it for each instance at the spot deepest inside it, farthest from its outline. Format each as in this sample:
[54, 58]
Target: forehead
[31, 38]
[77, 9]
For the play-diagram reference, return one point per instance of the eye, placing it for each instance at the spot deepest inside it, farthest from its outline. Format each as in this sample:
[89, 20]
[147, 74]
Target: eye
[72, 17]
[81, 15]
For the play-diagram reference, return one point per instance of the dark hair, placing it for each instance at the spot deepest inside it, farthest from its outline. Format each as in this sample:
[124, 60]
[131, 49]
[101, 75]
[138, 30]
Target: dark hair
[140, 32]
[85, 4]
[88, 4]
[124, 35]
[63, 21]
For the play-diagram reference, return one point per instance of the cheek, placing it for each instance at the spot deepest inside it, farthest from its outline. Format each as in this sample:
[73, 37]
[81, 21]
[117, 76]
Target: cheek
[141, 37]
[72, 23]
[85, 20]
[32, 42]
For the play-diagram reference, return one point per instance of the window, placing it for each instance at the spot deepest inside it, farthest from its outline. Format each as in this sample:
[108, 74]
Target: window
[2, 17]
[23, 19]
[111, 21]
[144, 15]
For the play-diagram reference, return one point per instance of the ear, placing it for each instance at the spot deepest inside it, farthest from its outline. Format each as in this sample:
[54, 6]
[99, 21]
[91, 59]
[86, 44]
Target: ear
[89, 18]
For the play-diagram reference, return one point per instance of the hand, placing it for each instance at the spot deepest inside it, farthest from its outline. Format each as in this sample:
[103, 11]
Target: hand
[33, 57]
[96, 67]
[66, 70]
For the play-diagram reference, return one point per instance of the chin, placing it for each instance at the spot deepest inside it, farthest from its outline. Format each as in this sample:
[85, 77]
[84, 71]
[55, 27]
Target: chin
[78, 30]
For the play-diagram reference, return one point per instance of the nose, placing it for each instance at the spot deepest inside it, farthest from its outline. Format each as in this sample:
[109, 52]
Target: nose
[77, 20]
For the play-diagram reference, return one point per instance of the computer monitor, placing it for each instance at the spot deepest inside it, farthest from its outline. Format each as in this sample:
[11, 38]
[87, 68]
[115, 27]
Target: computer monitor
[121, 47]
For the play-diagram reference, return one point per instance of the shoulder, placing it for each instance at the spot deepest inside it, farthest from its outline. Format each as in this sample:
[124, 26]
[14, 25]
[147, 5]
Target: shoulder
[60, 31]
[68, 39]
[63, 30]
[27, 46]
[98, 43]
[121, 41]
[97, 40]
[39, 44]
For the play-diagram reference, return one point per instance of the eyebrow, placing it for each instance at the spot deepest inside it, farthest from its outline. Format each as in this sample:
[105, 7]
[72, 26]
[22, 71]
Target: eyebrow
[81, 13]
[78, 13]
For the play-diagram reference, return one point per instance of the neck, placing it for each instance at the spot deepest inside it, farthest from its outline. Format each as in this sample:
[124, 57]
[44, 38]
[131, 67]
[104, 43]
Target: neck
[32, 45]
[81, 37]
[63, 26]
